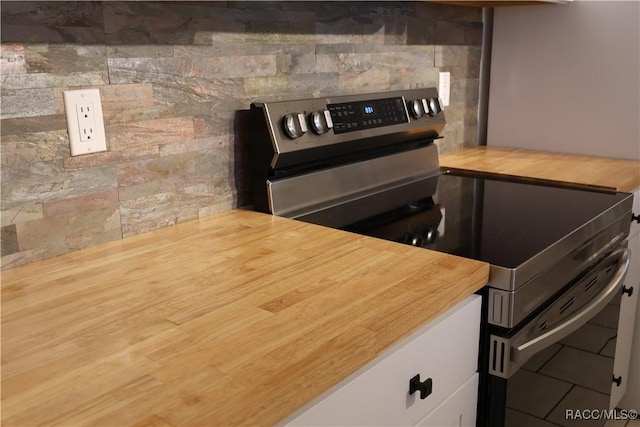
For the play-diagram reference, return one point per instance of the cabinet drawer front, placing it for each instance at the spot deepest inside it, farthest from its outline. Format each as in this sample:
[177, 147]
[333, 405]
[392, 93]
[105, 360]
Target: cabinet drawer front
[459, 410]
[445, 350]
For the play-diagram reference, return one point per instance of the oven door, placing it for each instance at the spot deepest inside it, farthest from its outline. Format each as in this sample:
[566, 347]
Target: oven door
[561, 361]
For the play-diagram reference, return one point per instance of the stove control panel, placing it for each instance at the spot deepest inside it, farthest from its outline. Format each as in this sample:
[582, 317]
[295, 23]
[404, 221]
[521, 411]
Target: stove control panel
[359, 115]
[311, 129]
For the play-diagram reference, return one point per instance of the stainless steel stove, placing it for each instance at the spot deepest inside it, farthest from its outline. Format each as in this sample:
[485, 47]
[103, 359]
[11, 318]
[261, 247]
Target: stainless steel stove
[369, 164]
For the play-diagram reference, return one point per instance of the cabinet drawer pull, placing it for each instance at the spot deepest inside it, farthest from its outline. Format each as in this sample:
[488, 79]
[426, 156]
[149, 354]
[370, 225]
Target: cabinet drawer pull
[628, 291]
[617, 380]
[635, 218]
[425, 387]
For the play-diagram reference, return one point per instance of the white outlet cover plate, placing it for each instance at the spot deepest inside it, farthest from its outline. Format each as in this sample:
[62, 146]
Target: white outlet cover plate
[444, 87]
[86, 132]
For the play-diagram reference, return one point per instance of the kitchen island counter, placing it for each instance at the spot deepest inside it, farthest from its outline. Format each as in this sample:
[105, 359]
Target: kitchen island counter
[235, 319]
[621, 175]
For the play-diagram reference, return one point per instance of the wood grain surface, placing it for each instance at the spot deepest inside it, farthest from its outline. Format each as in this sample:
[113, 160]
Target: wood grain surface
[235, 319]
[622, 175]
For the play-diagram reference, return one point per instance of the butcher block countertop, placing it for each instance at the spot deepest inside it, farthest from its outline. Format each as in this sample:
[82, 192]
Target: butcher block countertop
[621, 175]
[236, 319]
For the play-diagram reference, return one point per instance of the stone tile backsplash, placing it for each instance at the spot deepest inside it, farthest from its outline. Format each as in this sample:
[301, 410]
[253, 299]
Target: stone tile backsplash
[172, 76]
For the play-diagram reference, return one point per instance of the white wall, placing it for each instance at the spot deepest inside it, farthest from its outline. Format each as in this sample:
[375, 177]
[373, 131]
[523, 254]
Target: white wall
[566, 78]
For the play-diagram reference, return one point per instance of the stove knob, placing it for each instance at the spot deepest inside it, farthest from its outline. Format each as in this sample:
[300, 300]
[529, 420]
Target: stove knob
[294, 125]
[416, 109]
[413, 239]
[434, 106]
[430, 235]
[320, 121]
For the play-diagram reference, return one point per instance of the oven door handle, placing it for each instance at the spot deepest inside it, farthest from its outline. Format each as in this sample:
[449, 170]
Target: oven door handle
[522, 352]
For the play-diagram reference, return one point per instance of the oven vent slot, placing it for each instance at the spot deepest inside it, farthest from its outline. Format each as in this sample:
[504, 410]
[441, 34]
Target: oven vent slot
[544, 325]
[498, 356]
[567, 304]
[591, 283]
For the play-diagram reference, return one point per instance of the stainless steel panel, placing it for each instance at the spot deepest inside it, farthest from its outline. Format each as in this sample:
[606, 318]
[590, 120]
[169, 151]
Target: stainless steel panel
[282, 144]
[512, 279]
[499, 305]
[303, 194]
[571, 310]
[521, 352]
[518, 304]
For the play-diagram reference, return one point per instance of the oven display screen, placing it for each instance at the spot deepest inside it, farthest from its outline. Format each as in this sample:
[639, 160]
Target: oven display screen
[359, 115]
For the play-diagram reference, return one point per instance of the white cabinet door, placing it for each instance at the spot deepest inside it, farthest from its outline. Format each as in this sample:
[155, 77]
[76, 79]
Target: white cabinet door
[445, 350]
[628, 337]
[459, 410]
[626, 324]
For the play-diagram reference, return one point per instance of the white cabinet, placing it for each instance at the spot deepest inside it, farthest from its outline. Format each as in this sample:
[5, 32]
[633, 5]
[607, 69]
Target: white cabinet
[626, 324]
[444, 351]
[629, 328]
[459, 410]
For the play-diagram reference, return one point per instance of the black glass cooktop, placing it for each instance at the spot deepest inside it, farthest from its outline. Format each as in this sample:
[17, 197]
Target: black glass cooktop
[503, 223]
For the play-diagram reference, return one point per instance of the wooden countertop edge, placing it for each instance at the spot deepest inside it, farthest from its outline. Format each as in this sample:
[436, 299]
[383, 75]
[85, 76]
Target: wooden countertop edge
[250, 387]
[588, 171]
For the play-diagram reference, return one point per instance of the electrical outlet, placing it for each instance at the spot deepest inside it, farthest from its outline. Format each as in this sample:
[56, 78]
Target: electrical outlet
[444, 88]
[85, 122]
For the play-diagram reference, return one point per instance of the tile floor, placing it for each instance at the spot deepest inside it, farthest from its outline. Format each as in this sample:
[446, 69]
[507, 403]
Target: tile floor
[571, 375]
